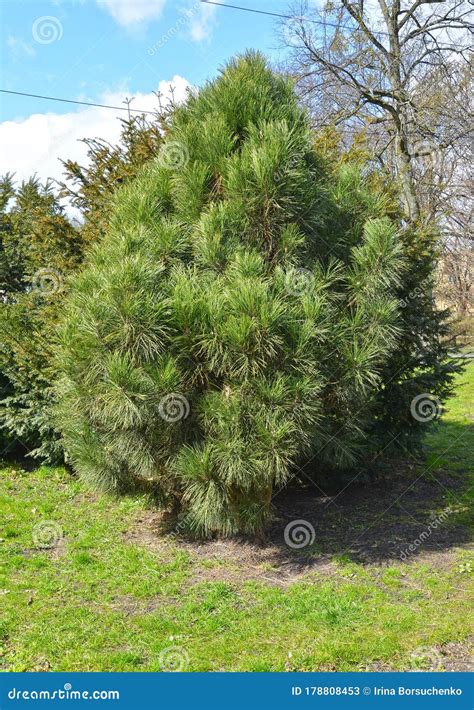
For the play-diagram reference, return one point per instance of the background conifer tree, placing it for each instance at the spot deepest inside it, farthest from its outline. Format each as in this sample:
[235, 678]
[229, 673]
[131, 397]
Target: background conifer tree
[39, 248]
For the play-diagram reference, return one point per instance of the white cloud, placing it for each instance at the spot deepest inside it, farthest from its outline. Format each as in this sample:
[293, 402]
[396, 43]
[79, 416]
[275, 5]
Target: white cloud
[202, 22]
[130, 13]
[135, 13]
[36, 143]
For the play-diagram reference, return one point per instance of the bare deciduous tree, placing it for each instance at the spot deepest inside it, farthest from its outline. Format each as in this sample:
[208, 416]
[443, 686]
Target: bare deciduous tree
[377, 66]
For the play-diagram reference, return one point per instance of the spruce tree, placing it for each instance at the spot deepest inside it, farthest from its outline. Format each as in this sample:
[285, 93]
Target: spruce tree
[234, 320]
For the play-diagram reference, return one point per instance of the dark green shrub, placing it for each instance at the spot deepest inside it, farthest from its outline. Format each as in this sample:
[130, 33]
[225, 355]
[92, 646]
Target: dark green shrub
[419, 374]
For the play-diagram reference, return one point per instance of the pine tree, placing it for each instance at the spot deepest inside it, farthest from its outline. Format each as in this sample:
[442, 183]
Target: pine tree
[420, 369]
[235, 317]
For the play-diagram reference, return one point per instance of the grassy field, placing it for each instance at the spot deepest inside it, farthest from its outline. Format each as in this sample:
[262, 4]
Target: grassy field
[111, 592]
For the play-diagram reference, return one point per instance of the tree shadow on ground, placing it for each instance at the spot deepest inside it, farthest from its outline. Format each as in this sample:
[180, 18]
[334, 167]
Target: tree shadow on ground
[413, 510]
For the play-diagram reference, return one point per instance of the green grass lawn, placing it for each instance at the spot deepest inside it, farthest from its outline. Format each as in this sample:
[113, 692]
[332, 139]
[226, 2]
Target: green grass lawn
[113, 594]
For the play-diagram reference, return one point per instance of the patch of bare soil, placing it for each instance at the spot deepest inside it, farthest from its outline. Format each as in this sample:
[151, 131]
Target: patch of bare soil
[55, 551]
[458, 656]
[452, 657]
[403, 517]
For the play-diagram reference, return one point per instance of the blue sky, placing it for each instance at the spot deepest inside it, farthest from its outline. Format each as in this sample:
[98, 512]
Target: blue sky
[105, 45]
[104, 51]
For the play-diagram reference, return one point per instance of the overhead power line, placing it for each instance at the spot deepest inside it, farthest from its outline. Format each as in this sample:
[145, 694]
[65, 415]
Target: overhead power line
[341, 129]
[249, 9]
[323, 23]
[81, 103]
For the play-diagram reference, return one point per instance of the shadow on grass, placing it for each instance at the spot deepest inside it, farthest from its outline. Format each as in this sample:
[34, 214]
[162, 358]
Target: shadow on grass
[413, 510]
[423, 504]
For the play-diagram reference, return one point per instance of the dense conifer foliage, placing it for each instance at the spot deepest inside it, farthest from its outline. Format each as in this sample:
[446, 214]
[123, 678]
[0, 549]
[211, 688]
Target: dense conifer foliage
[39, 248]
[234, 320]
